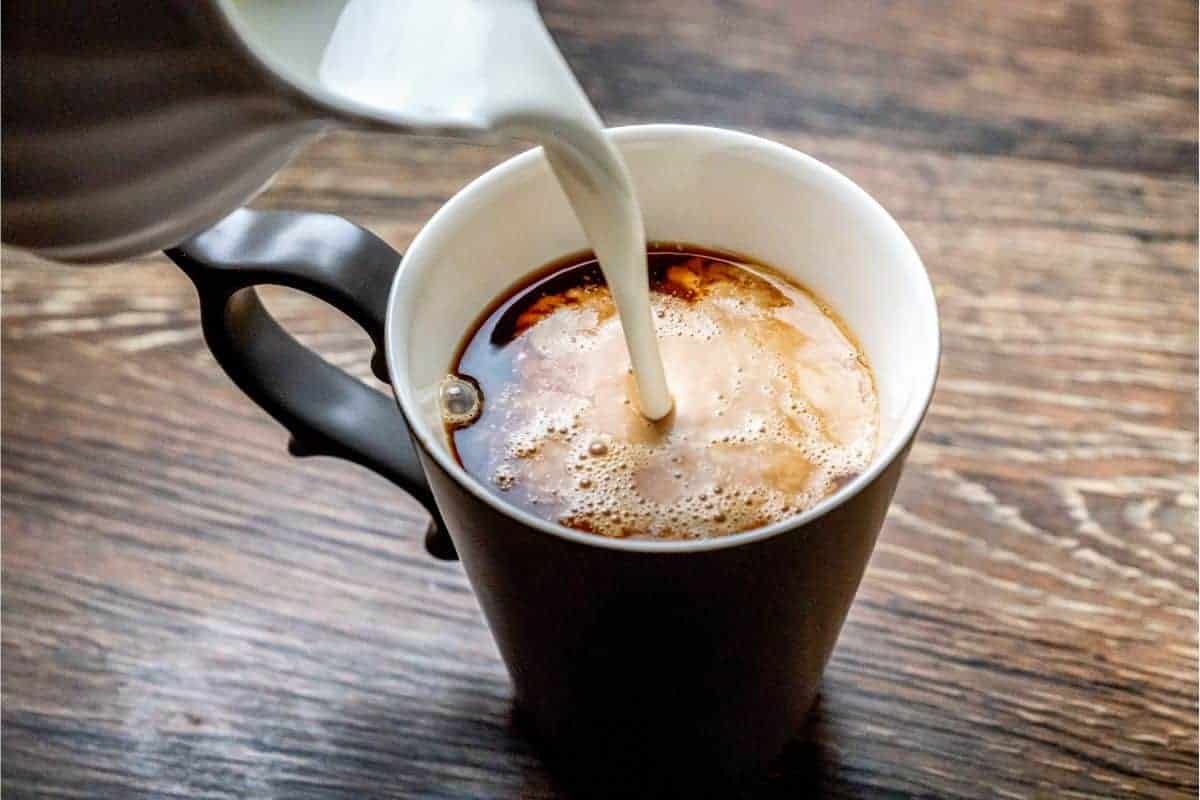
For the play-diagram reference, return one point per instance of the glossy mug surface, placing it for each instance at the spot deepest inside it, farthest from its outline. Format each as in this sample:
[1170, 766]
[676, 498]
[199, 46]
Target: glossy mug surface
[628, 656]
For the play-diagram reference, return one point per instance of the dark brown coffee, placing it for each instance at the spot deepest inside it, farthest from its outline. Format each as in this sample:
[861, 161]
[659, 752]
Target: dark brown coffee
[775, 406]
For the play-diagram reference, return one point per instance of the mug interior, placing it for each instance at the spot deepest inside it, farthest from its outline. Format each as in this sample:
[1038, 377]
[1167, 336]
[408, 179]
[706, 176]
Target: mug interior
[703, 186]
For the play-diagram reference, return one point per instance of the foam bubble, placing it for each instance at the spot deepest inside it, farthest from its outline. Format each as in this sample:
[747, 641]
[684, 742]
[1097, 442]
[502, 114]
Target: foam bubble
[459, 400]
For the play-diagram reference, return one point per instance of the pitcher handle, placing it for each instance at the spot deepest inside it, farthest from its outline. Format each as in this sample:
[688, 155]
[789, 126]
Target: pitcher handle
[326, 410]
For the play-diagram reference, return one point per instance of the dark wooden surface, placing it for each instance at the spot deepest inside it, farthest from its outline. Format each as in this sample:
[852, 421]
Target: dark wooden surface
[188, 612]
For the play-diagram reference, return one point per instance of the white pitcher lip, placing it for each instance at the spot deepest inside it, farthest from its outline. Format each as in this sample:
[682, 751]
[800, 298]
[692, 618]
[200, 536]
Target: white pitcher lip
[313, 96]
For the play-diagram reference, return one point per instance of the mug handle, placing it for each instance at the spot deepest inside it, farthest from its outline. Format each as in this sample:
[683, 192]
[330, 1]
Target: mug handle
[326, 410]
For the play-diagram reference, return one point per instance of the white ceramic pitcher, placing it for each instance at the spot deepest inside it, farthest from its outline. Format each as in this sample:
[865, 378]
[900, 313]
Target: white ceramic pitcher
[130, 126]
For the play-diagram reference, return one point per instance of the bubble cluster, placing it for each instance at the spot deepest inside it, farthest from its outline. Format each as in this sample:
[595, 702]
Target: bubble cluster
[775, 408]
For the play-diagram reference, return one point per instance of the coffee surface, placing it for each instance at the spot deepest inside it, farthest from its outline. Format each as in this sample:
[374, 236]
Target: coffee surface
[774, 404]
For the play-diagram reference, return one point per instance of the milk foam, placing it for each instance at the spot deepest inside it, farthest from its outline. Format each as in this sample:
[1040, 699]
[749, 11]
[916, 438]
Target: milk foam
[775, 408]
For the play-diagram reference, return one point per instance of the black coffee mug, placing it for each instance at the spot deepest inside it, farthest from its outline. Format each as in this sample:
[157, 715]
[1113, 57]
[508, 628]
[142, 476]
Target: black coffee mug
[700, 655]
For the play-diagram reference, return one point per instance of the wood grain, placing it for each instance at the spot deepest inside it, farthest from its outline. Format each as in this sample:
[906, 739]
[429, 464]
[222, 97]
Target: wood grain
[188, 612]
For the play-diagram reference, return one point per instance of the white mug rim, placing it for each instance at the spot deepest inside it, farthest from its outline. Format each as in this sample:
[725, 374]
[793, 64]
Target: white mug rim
[400, 299]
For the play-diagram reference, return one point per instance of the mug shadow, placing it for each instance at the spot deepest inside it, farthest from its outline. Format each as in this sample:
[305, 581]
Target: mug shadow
[478, 745]
[807, 768]
[460, 743]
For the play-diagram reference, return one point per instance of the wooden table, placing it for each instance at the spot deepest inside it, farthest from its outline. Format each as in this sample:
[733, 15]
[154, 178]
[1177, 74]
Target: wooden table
[188, 612]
